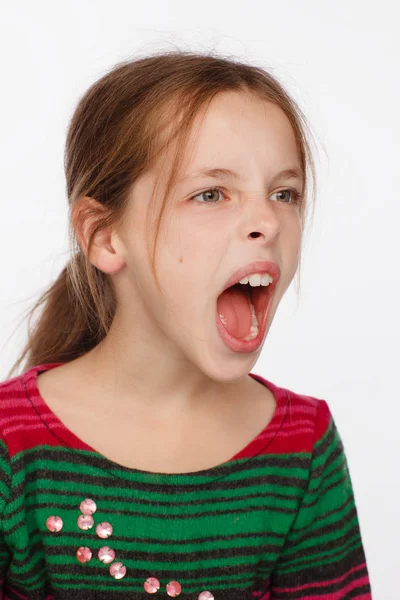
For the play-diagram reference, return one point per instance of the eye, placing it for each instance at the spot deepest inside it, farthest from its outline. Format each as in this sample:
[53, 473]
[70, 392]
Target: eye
[295, 195]
[208, 191]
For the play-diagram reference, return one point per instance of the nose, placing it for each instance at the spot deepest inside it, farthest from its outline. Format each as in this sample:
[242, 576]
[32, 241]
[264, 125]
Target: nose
[262, 220]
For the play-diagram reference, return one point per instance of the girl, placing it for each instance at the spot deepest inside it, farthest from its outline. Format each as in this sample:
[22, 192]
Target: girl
[139, 455]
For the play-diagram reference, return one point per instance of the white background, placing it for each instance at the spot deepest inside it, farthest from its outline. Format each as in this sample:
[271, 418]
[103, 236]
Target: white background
[340, 61]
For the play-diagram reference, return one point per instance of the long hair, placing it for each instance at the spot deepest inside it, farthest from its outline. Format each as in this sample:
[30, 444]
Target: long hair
[116, 133]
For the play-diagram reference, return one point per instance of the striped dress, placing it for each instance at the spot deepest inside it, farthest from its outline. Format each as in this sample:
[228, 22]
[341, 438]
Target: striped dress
[276, 521]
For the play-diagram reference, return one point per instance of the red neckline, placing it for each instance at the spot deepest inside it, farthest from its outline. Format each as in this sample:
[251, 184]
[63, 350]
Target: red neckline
[69, 439]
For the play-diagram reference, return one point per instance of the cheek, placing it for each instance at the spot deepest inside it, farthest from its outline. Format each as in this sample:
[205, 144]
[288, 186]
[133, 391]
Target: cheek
[292, 236]
[193, 245]
[189, 267]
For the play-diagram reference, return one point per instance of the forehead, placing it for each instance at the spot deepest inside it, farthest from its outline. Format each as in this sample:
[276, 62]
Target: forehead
[245, 132]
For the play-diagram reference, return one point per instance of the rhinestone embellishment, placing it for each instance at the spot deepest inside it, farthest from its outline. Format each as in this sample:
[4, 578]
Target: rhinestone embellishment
[88, 506]
[206, 596]
[83, 554]
[118, 570]
[104, 530]
[151, 585]
[173, 588]
[106, 555]
[54, 523]
[85, 522]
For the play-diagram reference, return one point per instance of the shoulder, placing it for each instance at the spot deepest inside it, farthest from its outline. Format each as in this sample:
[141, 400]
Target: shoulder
[13, 397]
[316, 412]
[307, 419]
[17, 411]
[12, 401]
[316, 409]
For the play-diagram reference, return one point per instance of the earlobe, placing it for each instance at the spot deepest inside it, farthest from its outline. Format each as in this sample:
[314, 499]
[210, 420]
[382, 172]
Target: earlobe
[106, 259]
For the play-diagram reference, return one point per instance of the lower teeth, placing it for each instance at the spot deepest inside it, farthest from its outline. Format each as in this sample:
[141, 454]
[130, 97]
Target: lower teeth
[254, 325]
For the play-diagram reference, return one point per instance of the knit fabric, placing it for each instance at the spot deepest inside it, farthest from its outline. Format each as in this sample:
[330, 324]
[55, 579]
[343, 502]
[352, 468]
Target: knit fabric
[276, 521]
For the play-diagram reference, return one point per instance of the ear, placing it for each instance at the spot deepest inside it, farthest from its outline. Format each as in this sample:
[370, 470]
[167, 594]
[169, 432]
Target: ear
[106, 251]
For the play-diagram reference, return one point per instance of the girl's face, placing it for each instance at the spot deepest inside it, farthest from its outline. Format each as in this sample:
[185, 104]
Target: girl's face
[205, 237]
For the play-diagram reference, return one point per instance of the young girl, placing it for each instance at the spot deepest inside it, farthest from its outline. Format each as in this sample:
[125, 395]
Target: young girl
[139, 455]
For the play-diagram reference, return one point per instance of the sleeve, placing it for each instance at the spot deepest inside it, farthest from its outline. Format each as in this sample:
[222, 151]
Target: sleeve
[323, 555]
[5, 478]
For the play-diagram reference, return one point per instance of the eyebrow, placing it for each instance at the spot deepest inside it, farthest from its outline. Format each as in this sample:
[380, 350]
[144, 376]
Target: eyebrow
[221, 173]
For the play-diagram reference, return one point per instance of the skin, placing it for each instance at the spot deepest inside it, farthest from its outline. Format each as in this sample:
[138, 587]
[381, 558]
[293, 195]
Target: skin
[167, 358]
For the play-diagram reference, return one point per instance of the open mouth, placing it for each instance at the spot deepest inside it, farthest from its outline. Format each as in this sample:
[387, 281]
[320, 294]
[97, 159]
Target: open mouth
[243, 309]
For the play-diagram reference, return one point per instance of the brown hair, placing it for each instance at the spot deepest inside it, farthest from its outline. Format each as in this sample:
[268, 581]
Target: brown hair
[115, 135]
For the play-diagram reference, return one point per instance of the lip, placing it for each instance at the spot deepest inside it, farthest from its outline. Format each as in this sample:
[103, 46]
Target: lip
[258, 266]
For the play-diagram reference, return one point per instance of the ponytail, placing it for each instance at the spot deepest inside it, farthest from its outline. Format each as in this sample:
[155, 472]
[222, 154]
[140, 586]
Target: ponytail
[76, 314]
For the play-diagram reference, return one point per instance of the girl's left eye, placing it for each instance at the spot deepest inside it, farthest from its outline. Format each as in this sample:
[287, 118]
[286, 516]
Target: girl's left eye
[296, 195]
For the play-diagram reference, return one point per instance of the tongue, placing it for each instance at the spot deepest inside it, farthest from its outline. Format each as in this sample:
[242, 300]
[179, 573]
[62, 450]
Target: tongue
[234, 306]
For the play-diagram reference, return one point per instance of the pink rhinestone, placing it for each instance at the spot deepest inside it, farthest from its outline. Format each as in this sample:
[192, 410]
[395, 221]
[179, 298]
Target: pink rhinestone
[106, 555]
[88, 506]
[83, 554]
[205, 596]
[104, 530]
[117, 570]
[54, 523]
[151, 585]
[173, 588]
[85, 522]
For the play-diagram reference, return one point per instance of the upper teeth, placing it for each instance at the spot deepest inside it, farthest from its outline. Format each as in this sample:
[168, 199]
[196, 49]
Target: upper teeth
[257, 279]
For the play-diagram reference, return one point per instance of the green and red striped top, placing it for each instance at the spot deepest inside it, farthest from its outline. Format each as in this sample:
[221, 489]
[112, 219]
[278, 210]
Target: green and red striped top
[276, 521]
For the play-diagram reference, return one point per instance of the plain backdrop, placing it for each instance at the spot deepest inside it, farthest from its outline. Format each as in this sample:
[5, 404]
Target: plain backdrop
[340, 60]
